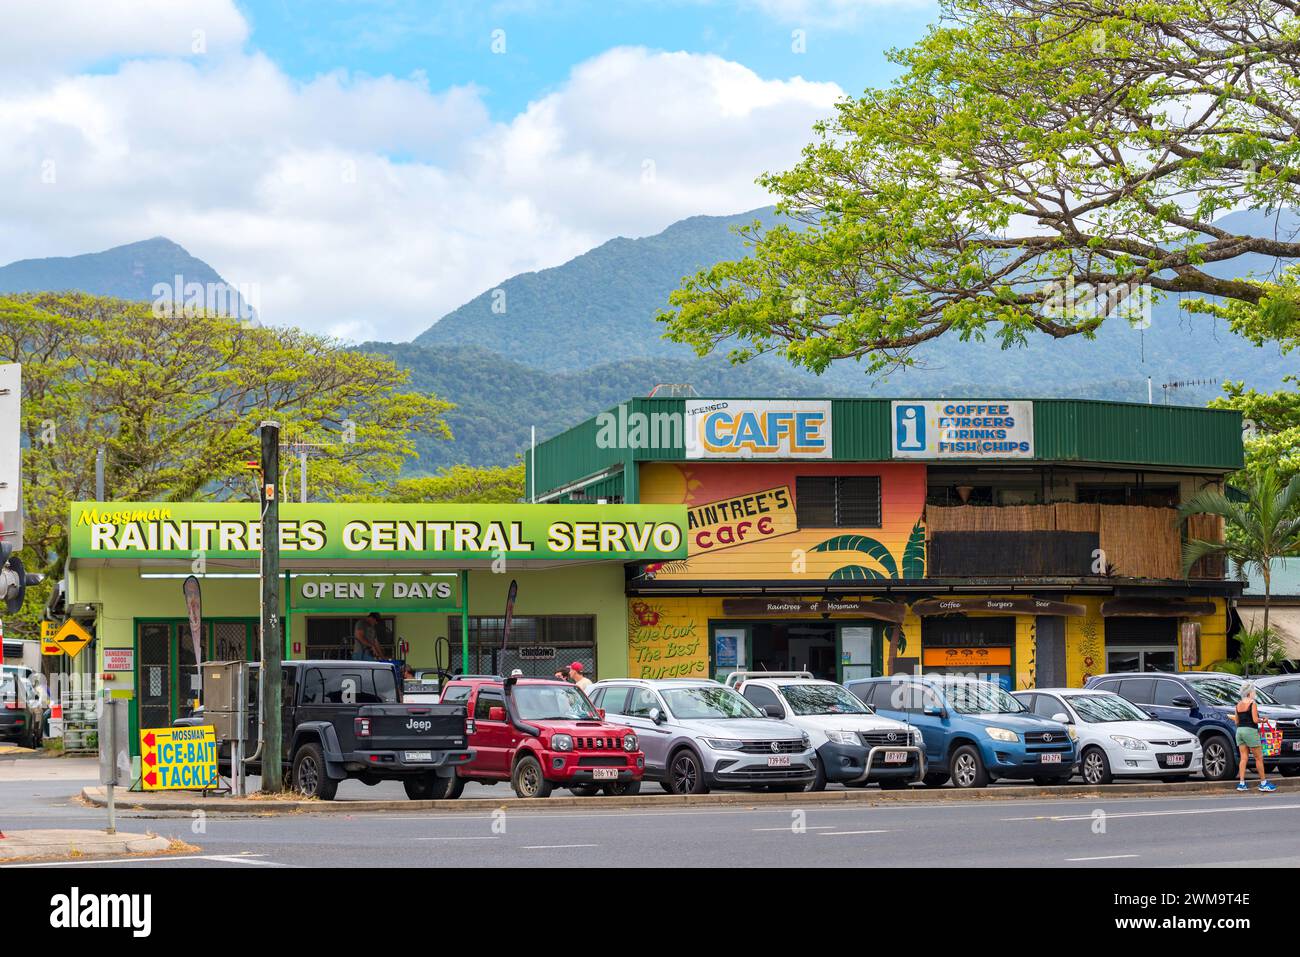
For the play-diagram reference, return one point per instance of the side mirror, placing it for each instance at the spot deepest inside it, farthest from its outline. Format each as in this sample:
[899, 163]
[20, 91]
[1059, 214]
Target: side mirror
[601, 712]
[656, 716]
[774, 711]
[1062, 717]
[931, 711]
[1183, 701]
[496, 713]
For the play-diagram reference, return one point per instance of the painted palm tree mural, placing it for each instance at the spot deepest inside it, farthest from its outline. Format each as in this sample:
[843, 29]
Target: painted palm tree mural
[877, 564]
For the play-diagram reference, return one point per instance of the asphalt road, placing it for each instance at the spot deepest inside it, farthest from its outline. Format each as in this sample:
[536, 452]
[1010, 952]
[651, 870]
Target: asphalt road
[1235, 830]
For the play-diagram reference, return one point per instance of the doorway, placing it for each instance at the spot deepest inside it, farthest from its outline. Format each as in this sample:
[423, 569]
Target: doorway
[829, 649]
[980, 647]
[166, 674]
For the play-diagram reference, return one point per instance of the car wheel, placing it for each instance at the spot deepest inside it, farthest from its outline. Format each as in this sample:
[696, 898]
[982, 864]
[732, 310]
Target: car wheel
[622, 788]
[585, 790]
[1288, 770]
[310, 777]
[967, 768]
[935, 779]
[421, 788]
[819, 782]
[1217, 762]
[686, 774]
[1095, 767]
[528, 779]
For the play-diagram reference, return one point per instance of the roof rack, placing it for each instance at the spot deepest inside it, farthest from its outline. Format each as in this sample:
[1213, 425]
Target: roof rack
[736, 677]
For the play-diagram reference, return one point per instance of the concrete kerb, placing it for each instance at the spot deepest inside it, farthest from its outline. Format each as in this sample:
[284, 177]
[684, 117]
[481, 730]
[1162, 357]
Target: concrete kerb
[190, 801]
[70, 844]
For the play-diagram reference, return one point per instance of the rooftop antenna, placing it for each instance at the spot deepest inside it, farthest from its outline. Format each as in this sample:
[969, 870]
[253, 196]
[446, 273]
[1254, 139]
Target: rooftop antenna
[1168, 387]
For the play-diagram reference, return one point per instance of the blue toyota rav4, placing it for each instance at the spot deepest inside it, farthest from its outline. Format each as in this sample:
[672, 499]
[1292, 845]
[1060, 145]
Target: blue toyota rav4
[1202, 702]
[974, 731]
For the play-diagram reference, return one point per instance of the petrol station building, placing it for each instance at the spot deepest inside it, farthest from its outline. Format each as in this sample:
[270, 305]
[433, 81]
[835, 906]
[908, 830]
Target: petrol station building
[438, 575]
[1035, 542]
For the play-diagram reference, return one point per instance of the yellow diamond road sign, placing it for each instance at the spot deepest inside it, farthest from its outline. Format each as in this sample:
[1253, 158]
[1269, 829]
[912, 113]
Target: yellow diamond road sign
[71, 638]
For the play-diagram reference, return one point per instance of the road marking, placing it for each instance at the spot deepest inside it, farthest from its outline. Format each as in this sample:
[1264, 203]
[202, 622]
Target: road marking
[844, 833]
[1107, 857]
[554, 847]
[1198, 810]
[485, 837]
[228, 859]
[790, 827]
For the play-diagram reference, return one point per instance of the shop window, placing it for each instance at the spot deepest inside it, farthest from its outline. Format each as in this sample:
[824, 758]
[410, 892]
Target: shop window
[837, 501]
[330, 639]
[538, 645]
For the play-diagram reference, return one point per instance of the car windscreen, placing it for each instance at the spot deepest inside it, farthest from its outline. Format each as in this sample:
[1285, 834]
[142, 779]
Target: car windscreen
[708, 702]
[553, 703]
[1100, 708]
[822, 699]
[1226, 689]
[979, 697]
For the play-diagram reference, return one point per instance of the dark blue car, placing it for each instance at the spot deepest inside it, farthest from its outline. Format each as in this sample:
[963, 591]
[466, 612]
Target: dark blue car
[974, 731]
[1202, 702]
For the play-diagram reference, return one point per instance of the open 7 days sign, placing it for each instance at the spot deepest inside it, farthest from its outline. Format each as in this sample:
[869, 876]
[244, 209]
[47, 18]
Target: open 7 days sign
[380, 531]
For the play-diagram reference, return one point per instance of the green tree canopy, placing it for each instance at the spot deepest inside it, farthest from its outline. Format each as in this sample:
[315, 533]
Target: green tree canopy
[463, 483]
[1037, 165]
[175, 400]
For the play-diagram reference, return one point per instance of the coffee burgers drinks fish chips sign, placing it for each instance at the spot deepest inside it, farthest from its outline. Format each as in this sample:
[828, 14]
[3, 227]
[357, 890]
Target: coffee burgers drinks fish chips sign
[962, 429]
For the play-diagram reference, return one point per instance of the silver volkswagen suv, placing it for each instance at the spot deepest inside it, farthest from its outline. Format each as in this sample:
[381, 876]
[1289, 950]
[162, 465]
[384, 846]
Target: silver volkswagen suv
[698, 734]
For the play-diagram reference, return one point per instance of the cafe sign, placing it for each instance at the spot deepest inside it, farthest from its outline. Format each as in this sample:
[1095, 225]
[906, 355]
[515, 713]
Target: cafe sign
[232, 530]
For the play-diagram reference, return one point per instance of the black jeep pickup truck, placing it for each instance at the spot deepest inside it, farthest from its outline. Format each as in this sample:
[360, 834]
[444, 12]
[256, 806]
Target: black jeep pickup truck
[345, 719]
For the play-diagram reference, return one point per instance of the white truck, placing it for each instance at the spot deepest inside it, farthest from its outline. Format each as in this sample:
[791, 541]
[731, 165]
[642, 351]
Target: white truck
[855, 746]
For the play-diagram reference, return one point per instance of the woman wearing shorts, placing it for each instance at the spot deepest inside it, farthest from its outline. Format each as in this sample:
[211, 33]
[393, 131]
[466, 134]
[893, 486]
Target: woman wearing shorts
[1247, 718]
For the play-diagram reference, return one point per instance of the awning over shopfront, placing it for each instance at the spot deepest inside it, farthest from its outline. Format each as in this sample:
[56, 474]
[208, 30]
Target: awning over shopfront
[1008, 606]
[1156, 608]
[750, 607]
[1284, 621]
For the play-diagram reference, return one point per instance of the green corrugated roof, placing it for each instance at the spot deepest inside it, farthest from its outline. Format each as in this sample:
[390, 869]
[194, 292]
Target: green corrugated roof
[1065, 430]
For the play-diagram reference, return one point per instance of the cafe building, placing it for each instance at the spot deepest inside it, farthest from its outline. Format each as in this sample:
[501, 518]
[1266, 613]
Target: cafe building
[1034, 542]
[160, 587]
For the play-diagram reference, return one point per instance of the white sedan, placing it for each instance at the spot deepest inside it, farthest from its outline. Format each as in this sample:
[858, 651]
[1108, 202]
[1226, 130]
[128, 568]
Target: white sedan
[1115, 737]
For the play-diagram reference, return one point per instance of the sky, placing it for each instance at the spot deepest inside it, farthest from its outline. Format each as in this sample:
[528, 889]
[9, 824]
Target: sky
[362, 167]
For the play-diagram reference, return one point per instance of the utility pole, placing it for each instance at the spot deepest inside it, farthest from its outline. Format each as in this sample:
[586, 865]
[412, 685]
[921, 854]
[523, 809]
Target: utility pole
[272, 643]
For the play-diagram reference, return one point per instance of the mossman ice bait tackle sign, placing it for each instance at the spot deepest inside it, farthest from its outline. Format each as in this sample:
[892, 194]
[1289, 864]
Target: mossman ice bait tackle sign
[178, 759]
[962, 429]
[758, 429]
[380, 531]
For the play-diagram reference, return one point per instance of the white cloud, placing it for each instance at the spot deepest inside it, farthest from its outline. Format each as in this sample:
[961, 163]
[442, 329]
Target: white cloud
[369, 207]
[44, 35]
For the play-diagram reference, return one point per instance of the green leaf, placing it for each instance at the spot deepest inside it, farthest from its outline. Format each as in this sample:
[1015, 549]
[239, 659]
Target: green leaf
[856, 573]
[861, 543]
[914, 552]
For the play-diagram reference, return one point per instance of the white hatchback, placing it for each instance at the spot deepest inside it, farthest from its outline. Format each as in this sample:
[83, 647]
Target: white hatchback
[1115, 737]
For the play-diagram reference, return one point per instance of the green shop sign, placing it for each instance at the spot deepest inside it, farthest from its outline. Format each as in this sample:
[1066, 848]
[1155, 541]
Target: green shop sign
[373, 592]
[380, 531]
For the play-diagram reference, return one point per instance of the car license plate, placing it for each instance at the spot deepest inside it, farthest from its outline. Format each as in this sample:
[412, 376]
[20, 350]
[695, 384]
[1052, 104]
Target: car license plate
[1051, 759]
[895, 757]
[410, 756]
[604, 774]
[1176, 759]
[780, 761]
